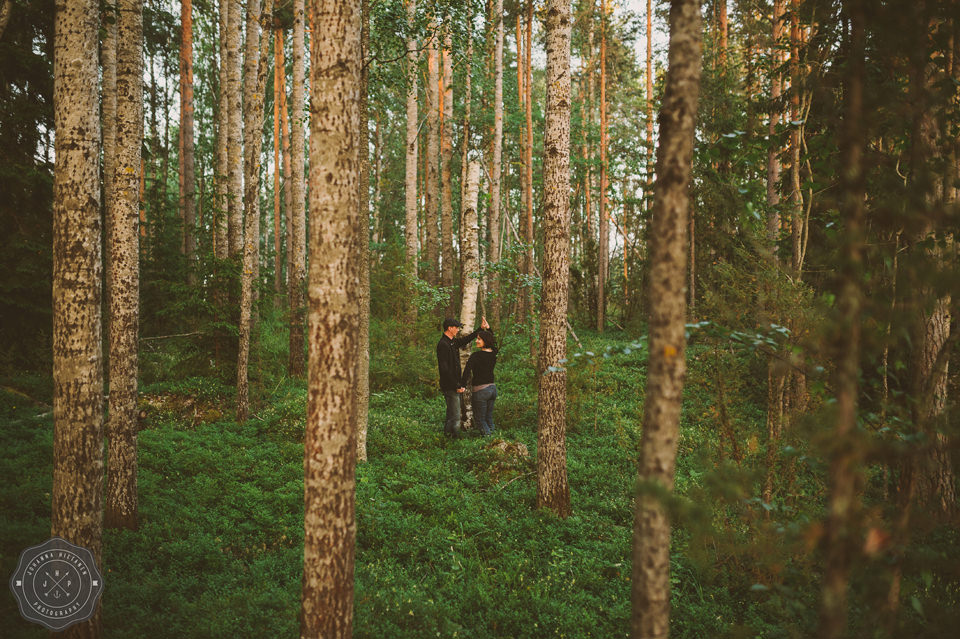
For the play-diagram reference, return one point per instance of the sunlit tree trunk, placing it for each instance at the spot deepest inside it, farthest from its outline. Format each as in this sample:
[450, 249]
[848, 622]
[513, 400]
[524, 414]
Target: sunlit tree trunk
[649, 91]
[123, 274]
[470, 252]
[363, 225]
[528, 170]
[410, 175]
[667, 366]
[335, 253]
[553, 491]
[77, 495]
[843, 536]
[221, 242]
[188, 207]
[796, 196]
[603, 246]
[433, 153]
[496, 172]
[465, 146]
[279, 89]
[296, 252]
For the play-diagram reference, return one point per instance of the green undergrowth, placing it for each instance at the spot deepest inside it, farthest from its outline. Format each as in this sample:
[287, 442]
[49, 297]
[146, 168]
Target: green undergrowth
[449, 543]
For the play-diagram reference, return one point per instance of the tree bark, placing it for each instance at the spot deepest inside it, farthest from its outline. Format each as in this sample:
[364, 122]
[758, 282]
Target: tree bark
[465, 147]
[446, 158]
[296, 253]
[843, 536]
[123, 276]
[528, 171]
[553, 491]
[188, 206]
[470, 252]
[254, 83]
[667, 301]
[433, 152]
[234, 141]
[279, 90]
[410, 175]
[335, 255]
[77, 506]
[603, 246]
[649, 91]
[363, 226]
[493, 217]
[221, 243]
[773, 160]
[796, 196]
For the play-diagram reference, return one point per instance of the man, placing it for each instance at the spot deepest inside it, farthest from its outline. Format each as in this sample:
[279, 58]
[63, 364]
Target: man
[448, 363]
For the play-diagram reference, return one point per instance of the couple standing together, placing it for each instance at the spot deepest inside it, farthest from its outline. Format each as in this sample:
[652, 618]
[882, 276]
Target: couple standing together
[453, 382]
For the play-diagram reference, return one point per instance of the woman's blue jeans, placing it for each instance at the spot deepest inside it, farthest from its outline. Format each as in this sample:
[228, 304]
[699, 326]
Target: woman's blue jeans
[483, 409]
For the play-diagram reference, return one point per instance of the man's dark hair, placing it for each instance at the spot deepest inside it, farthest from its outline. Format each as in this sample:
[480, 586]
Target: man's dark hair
[447, 323]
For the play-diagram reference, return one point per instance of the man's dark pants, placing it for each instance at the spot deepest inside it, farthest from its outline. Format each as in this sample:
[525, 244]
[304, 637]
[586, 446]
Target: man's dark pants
[451, 425]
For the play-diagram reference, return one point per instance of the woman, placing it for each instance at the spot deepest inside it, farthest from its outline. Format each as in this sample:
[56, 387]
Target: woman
[481, 365]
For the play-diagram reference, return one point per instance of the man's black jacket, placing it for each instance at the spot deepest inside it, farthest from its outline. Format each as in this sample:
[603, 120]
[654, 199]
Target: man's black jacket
[448, 359]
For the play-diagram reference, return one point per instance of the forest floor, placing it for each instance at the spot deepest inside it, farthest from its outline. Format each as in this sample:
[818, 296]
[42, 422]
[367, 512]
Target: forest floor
[449, 543]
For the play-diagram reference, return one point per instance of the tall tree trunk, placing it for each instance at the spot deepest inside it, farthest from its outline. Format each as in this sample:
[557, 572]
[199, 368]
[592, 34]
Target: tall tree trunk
[234, 142]
[188, 193]
[603, 246]
[296, 253]
[842, 532]
[496, 172]
[470, 252]
[649, 92]
[796, 197]
[330, 446]
[667, 368]
[279, 90]
[588, 153]
[464, 159]
[446, 158]
[553, 492]
[287, 178]
[255, 65]
[77, 506]
[773, 161]
[363, 226]
[123, 275]
[221, 242]
[410, 175]
[433, 153]
[528, 172]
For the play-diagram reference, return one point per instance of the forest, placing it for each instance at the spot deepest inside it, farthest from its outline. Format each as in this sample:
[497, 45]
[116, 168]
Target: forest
[481, 318]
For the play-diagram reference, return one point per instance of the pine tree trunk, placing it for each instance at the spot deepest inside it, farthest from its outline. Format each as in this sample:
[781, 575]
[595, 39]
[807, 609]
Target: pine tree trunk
[446, 158]
[188, 207]
[553, 491]
[77, 506]
[123, 275]
[773, 160]
[527, 314]
[603, 246]
[667, 366]
[234, 142]
[335, 253]
[496, 172]
[843, 537]
[796, 197]
[410, 175]
[279, 89]
[433, 153]
[649, 91]
[221, 243]
[296, 253]
[253, 105]
[363, 225]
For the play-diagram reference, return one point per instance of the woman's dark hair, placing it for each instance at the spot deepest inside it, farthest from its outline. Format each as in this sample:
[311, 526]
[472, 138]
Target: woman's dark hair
[489, 341]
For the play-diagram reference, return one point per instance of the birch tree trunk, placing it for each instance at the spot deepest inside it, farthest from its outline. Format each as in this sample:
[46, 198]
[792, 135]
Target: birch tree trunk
[433, 153]
[363, 226]
[667, 300]
[188, 206]
[446, 158]
[279, 89]
[470, 252]
[465, 147]
[603, 246]
[335, 254]
[221, 243]
[493, 222]
[123, 275]
[296, 253]
[553, 491]
[77, 506]
[528, 171]
[410, 175]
